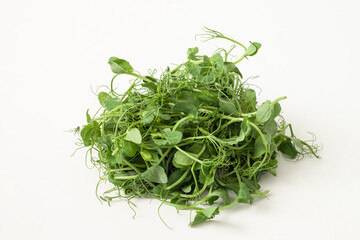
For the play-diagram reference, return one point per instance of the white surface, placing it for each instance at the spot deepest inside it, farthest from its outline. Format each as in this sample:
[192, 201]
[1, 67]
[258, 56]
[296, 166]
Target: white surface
[51, 52]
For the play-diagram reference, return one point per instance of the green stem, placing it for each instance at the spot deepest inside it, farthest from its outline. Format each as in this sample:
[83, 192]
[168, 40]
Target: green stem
[265, 144]
[163, 156]
[196, 188]
[236, 200]
[278, 99]
[130, 127]
[132, 86]
[204, 199]
[180, 121]
[136, 170]
[234, 41]
[193, 138]
[188, 155]
[132, 166]
[121, 177]
[111, 83]
[291, 131]
[195, 194]
[240, 59]
[126, 177]
[182, 207]
[121, 169]
[179, 180]
[139, 76]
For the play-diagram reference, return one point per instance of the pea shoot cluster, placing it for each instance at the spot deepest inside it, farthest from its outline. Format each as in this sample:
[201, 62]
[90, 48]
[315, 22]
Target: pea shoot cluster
[191, 136]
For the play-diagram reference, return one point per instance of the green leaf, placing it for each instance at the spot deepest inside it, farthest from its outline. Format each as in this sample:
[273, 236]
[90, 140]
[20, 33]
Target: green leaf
[119, 66]
[228, 106]
[88, 118]
[208, 78]
[149, 114]
[250, 183]
[195, 148]
[186, 189]
[187, 96]
[111, 103]
[264, 112]
[160, 190]
[181, 160]
[173, 137]
[150, 156]
[217, 58]
[231, 67]
[155, 174]
[110, 157]
[160, 142]
[90, 133]
[194, 70]
[260, 194]
[205, 214]
[146, 155]
[130, 148]
[114, 181]
[134, 136]
[298, 143]
[207, 66]
[244, 195]
[151, 86]
[192, 53]
[271, 127]
[223, 194]
[272, 164]
[155, 158]
[206, 99]
[287, 148]
[245, 127]
[178, 174]
[186, 108]
[164, 116]
[252, 49]
[259, 147]
[105, 141]
[250, 95]
[103, 97]
[205, 172]
[121, 156]
[276, 110]
[234, 140]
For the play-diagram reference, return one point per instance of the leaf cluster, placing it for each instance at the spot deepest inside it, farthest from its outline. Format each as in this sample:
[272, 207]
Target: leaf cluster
[190, 136]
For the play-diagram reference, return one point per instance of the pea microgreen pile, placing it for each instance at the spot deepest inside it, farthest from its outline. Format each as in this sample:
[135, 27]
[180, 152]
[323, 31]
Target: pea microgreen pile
[191, 136]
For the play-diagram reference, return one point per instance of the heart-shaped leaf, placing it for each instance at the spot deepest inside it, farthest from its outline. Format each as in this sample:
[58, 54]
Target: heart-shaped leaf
[119, 66]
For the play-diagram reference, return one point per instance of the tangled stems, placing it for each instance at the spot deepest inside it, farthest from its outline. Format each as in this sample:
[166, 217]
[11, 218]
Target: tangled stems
[189, 136]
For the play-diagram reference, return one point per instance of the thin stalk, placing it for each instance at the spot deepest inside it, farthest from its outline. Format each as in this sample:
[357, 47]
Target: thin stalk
[179, 180]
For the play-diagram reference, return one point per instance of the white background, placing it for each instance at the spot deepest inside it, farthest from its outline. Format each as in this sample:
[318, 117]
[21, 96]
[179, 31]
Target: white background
[53, 52]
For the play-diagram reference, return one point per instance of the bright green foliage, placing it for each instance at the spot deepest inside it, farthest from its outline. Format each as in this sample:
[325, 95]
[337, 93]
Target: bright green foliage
[120, 66]
[190, 135]
[264, 112]
[134, 136]
[155, 174]
[205, 214]
[181, 159]
[129, 148]
[173, 137]
[252, 49]
[185, 107]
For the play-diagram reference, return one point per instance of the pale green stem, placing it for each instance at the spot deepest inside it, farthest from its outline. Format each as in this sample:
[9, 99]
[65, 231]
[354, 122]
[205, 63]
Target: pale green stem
[180, 121]
[188, 155]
